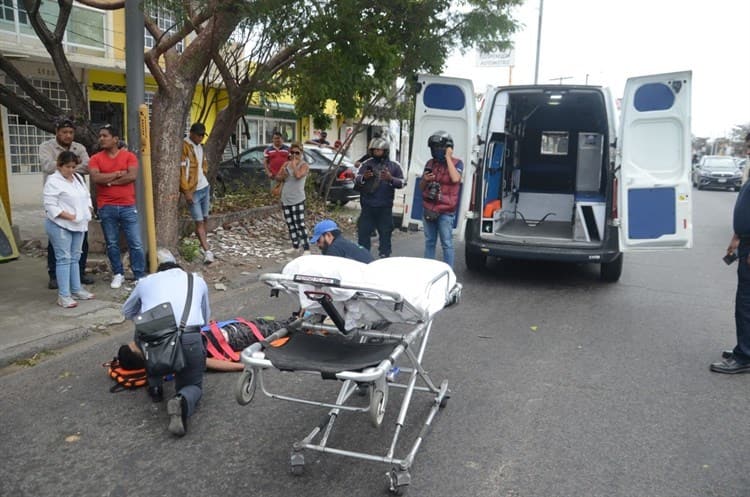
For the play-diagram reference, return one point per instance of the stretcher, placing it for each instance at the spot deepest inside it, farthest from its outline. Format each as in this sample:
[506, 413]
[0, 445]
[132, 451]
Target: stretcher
[367, 326]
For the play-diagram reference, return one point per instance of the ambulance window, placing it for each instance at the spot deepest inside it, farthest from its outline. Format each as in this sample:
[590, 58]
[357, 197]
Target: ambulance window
[446, 97]
[653, 96]
[554, 143]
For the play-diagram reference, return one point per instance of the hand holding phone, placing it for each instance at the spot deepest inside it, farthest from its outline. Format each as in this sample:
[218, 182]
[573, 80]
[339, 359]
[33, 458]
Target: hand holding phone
[730, 258]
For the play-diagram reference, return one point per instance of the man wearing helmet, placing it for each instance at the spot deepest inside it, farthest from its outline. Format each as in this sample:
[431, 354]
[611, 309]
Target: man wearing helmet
[377, 179]
[440, 185]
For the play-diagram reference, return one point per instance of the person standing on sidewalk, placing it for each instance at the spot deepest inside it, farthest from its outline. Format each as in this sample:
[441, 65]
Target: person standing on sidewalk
[67, 203]
[737, 360]
[293, 175]
[377, 180]
[49, 151]
[274, 157]
[194, 185]
[440, 184]
[170, 284]
[114, 171]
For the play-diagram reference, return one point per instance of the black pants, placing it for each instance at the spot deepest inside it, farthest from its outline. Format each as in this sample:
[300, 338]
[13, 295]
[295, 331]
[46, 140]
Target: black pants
[742, 309]
[81, 263]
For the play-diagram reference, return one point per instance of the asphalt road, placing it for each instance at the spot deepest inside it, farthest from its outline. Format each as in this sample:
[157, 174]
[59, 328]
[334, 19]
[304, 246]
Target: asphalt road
[561, 386]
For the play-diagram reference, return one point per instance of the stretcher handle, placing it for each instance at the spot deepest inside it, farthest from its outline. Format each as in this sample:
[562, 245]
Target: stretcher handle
[326, 303]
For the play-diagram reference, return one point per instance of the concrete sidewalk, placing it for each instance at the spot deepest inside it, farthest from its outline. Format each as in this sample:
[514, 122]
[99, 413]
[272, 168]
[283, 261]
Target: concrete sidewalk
[30, 320]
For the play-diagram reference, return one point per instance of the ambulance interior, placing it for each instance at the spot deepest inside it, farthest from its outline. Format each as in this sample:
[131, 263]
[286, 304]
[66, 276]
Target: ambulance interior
[545, 170]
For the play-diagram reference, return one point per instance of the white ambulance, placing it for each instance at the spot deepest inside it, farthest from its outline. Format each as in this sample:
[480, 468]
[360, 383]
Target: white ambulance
[549, 176]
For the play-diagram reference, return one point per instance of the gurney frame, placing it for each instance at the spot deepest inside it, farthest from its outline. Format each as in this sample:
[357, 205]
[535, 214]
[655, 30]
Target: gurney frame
[378, 380]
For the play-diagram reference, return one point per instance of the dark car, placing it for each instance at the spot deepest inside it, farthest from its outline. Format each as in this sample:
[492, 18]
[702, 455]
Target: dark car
[247, 170]
[717, 171]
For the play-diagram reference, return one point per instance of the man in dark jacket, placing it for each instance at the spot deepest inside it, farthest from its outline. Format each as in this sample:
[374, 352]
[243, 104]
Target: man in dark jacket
[737, 360]
[330, 242]
[377, 180]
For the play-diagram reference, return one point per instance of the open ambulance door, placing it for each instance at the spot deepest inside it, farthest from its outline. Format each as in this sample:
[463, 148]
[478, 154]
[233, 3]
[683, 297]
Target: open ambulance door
[442, 104]
[653, 182]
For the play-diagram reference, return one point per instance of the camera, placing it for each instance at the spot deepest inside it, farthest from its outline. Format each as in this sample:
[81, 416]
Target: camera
[432, 191]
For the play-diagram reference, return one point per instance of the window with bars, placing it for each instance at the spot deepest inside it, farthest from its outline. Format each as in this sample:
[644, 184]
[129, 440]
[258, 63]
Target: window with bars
[23, 137]
[166, 22]
[8, 12]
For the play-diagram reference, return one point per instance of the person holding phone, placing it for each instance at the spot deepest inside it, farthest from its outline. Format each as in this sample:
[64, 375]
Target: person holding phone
[737, 360]
[293, 175]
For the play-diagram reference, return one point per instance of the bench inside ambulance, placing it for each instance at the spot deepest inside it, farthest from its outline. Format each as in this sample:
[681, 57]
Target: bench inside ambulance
[545, 174]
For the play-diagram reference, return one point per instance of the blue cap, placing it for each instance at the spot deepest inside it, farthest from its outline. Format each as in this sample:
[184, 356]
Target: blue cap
[322, 228]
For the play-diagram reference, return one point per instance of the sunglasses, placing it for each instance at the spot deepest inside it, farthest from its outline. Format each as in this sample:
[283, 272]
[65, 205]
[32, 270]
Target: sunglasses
[294, 152]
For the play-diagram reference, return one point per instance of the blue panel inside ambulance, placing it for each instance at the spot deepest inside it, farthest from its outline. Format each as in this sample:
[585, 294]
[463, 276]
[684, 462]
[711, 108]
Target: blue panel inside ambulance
[653, 96]
[444, 97]
[651, 213]
[494, 173]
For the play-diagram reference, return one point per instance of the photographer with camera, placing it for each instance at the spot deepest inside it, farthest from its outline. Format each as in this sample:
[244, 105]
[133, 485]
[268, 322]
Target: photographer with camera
[377, 179]
[440, 185]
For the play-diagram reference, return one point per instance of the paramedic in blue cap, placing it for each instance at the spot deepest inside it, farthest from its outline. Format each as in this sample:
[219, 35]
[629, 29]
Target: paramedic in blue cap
[327, 236]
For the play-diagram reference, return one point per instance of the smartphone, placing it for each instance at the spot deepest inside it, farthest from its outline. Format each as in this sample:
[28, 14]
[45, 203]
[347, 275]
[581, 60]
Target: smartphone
[729, 258]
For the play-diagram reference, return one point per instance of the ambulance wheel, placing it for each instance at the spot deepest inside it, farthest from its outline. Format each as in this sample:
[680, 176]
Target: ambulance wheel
[611, 271]
[378, 401]
[244, 389]
[475, 261]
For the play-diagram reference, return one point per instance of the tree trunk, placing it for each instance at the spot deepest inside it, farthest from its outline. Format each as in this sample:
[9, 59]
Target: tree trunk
[169, 114]
[221, 132]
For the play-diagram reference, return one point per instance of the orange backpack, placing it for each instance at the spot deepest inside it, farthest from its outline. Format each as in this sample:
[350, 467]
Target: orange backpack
[125, 379]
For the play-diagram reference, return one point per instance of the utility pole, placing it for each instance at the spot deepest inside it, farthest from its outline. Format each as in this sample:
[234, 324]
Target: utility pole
[136, 94]
[538, 42]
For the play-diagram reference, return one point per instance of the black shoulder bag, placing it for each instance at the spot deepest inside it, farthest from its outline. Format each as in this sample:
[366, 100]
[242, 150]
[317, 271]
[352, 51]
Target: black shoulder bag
[159, 337]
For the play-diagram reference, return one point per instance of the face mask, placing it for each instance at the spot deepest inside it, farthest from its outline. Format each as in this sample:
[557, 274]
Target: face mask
[438, 154]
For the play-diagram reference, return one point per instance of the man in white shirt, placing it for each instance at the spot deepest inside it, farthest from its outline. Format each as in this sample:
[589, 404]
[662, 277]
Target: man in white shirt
[194, 184]
[170, 284]
[49, 151]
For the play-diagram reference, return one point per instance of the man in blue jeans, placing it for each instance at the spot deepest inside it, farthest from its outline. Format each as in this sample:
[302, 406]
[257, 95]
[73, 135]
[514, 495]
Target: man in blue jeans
[114, 170]
[377, 180]
[440, 185]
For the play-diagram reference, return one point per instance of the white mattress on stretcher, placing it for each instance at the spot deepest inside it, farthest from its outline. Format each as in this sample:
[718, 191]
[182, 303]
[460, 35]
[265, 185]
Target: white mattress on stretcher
[411, 277]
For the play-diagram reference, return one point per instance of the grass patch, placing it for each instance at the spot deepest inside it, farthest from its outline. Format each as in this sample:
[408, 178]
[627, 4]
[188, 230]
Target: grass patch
[33, 360]
[190, 249]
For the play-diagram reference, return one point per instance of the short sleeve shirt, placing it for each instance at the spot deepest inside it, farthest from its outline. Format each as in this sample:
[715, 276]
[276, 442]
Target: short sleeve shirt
[116, 194]
[276, 157]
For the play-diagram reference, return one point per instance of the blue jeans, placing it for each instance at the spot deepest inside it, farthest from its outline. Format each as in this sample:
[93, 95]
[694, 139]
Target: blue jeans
[380, 219]
[443, 227]
[201, 205]
[51, 264]
[189, 381]
[125, 217]
[67, 245]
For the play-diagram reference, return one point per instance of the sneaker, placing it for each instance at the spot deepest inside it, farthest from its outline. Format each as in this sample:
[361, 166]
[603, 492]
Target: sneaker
[83, 294]
[87, 280]
[177, 410]
[208, 257]
[52, 285]
[66, 302]
[117, 281]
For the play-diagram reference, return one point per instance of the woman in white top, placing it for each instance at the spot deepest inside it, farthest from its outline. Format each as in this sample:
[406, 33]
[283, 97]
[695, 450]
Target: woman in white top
[293, 174]
[67, 203]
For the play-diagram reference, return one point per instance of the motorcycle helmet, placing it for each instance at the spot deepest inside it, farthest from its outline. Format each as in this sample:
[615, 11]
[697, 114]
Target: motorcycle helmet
[380, 143]
[440, 139]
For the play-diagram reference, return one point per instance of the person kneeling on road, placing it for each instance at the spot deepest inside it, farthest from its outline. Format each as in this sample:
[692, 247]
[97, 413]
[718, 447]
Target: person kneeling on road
[169, 284]
[330, 241]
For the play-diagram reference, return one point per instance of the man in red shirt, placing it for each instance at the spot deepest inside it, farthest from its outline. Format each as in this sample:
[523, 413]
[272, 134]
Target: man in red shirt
[275, 156]
[114, 170]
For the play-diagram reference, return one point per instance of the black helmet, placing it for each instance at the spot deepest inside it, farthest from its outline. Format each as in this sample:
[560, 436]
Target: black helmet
[380, 143]
[440, 139]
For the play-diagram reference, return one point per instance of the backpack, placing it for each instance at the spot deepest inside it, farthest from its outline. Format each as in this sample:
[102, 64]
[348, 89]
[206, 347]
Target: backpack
[125, 379]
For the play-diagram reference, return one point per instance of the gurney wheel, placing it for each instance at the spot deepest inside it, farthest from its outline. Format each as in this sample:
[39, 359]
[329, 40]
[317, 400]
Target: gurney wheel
[297, 464]
[378, 401]
[444, 401]
[398, 481]
[244, 389]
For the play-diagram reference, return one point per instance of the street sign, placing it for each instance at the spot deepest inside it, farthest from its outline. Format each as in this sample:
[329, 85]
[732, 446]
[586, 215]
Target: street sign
[503, 58]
